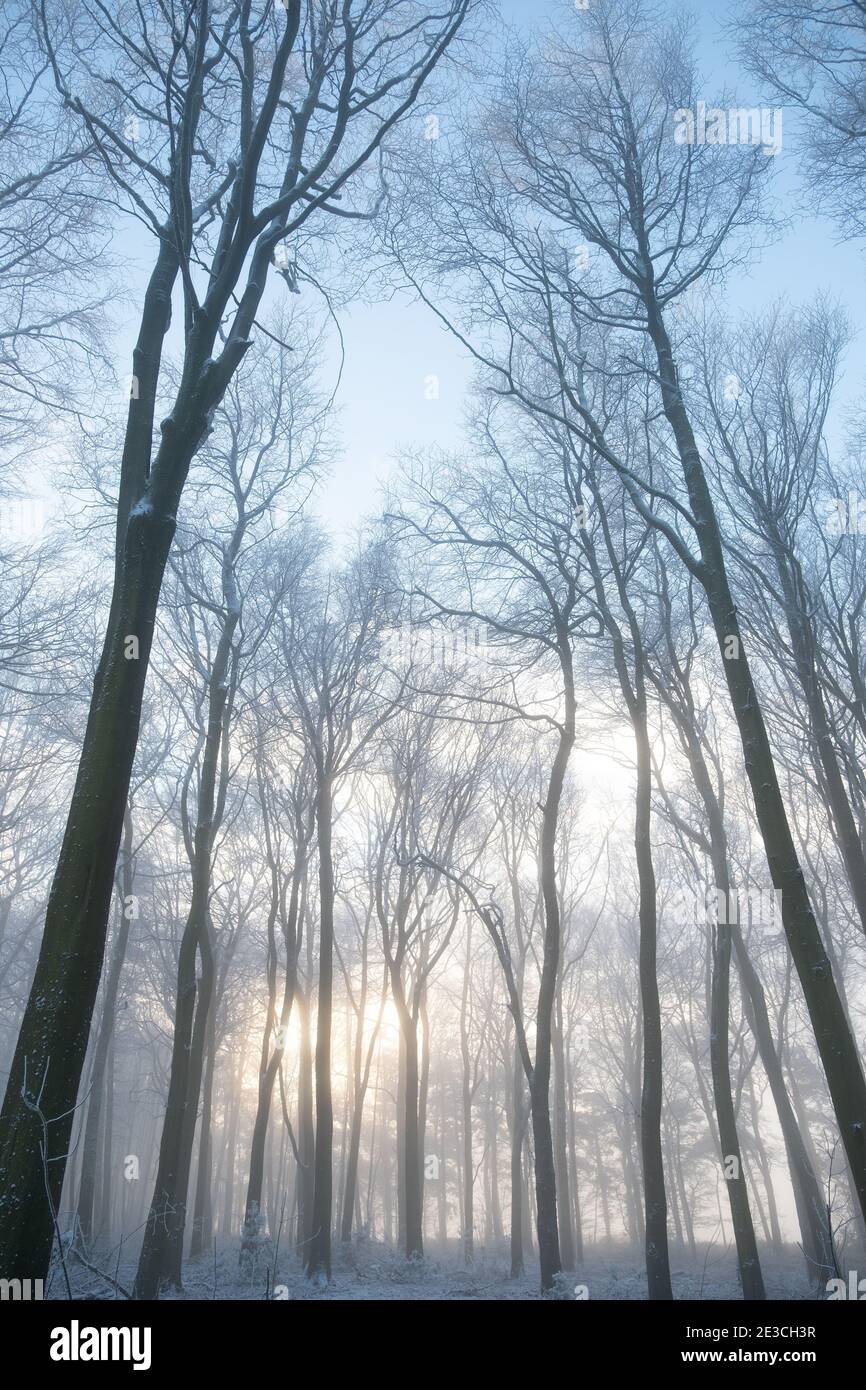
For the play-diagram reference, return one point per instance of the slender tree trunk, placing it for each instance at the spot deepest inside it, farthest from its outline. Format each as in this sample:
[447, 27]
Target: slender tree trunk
[271, 1056]
[467, 1205]
[103, 1220]
[735, 1178]
[202, 1230]
[816, 1247]
[233, 1108]
[423, 1094]
[306, 1132]
[751, 1278]
[563, 1203]
[519, 1115]
[319, 1255]
[656, 1229]
[361, 1070]
[103, 1042]
[674, 1192]
[633, 687]
[351, 1188]
[575, 1177]
[400, 1151]
[775, 1233]
[798, 602]
[684, 1198]
[493, 1152]
[442, 1189]
[411, 1153]
[602, 1181]
[836, 1045]
[545, 1170]
[162, 1250]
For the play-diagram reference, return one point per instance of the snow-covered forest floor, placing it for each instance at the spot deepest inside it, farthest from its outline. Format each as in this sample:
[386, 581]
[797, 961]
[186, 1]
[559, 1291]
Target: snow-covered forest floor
[377, 1273]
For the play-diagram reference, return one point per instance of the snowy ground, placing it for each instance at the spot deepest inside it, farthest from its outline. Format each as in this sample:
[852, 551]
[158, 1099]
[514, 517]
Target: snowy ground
[377, 1274]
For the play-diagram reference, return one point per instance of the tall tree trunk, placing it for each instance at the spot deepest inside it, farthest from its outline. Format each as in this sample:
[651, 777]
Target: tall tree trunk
[545, 1171]
[684, 1198]
[519, 1115]
[161, 1255]
[775, 1233]
[400, 1150]
[202, 1230]
[411, 1151]
[423, 1093]
[798, 604]
[233, 1108]
[735, 1178]
[45, 1075]
[836, 1045]
[563, 1193]
[602, 1181]
[306, 1132]
[162, 1249]
[103, 1042]
[319, 1253]
[633, 687]
[673, 1189]
[442, 1187]
[493, 1153]
[351, 1187]
[807, 1194]
[572, 1153]
[361, 1066]
[103, 1220]
[656, 1228]
[271, 1056]
[467, 1168]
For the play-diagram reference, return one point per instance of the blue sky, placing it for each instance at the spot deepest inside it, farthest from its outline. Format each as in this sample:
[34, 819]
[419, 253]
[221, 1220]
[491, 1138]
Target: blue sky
[391, 348]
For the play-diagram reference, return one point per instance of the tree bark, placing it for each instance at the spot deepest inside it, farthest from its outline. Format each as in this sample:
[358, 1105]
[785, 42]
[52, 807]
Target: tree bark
[545, 1170]
[306, 1131]
[319, 1253]
[202, 1228]
[836, 1045]
[563, 1203]
[467, 1168]
[162, 1250]
[751, 1277]
[86, 1192]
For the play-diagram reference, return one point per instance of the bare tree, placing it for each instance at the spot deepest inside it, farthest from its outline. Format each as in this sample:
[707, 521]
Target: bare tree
[811, 56]
[341, 697]
[486, 526]
[287, 814]
[259, 446]
[52, 249]
[428, 794]
[583, 145]
[229, 171]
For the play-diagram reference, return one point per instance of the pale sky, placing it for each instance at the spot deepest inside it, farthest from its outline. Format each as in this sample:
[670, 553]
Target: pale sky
[392, 347]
